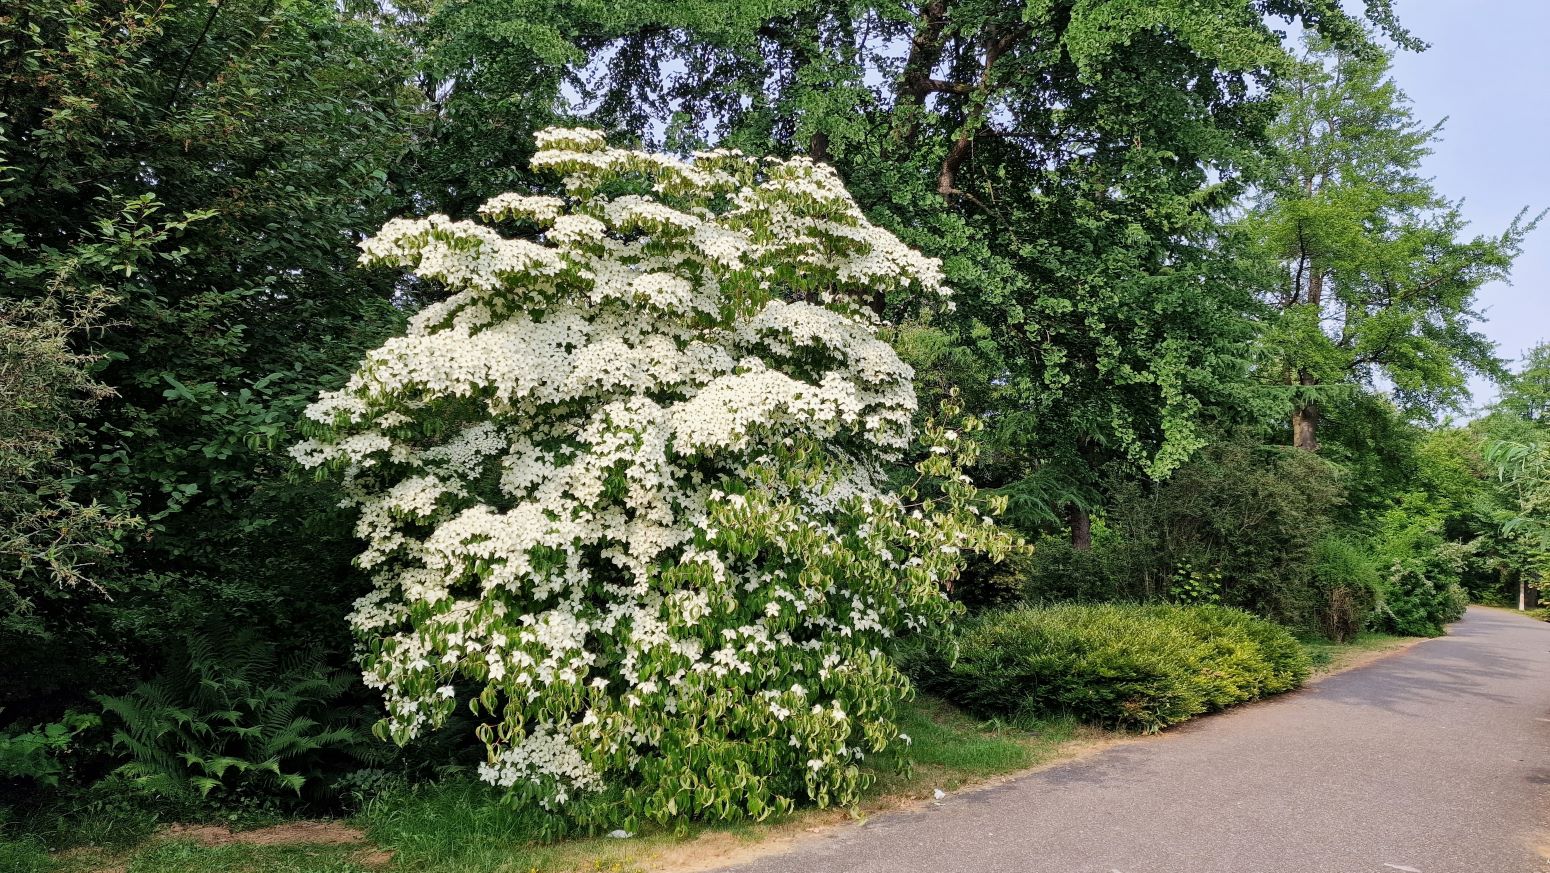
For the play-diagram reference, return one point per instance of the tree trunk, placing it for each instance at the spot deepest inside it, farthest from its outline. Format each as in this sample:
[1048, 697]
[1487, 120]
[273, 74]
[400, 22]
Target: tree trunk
[818, 147]
[1305, 418]
[974, 117]
[914, 83]
[1081, 527]
[1305, 423]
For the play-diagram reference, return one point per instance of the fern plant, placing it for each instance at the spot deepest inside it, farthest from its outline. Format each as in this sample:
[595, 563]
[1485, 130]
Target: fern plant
[238, 718]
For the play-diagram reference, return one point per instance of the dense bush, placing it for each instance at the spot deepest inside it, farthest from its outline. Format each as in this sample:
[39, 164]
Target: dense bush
[1132, 666]
[1346, 588]
[1421, 591]
[1421, 596]
[49, 542]
[181, 188]
[32, 757]
[1247, 517]
[1057, 571]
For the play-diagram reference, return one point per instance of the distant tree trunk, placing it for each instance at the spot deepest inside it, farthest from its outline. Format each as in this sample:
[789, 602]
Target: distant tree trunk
[818, 146]
[1305, 418]
[1081, 527]
[1305, 422]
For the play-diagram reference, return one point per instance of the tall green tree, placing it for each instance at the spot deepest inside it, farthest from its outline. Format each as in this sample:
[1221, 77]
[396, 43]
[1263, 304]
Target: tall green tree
[487, 74]
[1524, 468]
[1372, 279]
[1516, 441]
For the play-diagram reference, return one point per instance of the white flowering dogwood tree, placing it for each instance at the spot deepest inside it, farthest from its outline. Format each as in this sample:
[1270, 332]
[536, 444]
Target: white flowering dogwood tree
[623, 490]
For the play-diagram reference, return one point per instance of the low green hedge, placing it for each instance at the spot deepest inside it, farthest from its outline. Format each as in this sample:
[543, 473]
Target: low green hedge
[1130, 666]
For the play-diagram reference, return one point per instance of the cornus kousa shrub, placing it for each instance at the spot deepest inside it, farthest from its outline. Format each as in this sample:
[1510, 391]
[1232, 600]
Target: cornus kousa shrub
[622, 492]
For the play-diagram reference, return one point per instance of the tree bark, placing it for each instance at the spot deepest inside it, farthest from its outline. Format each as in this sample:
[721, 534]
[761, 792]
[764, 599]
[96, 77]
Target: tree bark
[1081, 527]
[1305, 422]
[1305, 418]
[915, 83]
[818, 147]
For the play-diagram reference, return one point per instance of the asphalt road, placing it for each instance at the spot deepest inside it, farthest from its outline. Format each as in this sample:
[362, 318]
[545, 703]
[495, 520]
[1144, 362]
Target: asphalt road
[1435, 759]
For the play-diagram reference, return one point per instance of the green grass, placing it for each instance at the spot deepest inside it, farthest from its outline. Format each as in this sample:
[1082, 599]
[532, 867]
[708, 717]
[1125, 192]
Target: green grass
[158, 855]
[462, 824]
[187, 857]
[25, 854]
[183, 856]
[1327, 656]
[950, 748]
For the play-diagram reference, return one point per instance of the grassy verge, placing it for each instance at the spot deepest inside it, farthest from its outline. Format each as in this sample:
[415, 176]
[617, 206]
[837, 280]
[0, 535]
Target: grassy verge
[1328, 657]
[460, 826]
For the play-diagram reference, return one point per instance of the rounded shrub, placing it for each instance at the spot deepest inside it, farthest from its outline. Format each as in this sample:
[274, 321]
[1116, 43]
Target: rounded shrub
[1130, 666]
[1418, 601]
[1262, 657]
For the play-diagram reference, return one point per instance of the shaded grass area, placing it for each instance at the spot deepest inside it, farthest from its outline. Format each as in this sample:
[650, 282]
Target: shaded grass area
[184, 856]
[461, 826]
[180, 856]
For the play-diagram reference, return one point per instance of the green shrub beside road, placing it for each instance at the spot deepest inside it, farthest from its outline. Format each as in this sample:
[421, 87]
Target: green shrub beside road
[1129, 666]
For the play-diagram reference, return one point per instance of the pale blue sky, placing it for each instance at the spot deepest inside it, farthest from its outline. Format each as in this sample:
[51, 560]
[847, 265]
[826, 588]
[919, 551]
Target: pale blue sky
[1488, 73]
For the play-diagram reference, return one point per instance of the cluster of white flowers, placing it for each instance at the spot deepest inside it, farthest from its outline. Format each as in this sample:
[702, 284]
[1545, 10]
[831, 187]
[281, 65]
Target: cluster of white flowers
[623, 483]
[546, 752]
